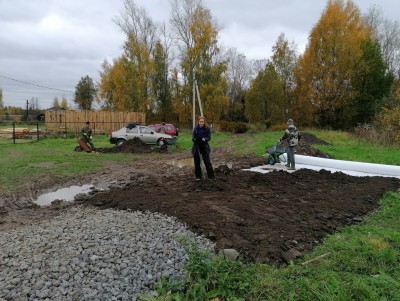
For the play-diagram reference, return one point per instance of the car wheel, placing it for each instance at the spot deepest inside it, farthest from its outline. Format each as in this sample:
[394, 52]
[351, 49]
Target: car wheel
[120, 142]
[271, 160]
[160, 142]
[78, 149]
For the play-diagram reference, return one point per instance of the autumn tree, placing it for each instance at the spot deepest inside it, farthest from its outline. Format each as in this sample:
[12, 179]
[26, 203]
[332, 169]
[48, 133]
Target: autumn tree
[265, 98]
[85, 93]
[326, 71]
[112, 85]
[197, 34]
[284, 60]
[64, 103]
[56, 103]
[128, 83]
[138, 67]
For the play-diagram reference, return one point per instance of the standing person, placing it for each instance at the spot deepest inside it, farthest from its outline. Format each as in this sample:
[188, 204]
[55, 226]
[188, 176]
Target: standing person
[292, 136]
[201, 136]
[162, 129]
[86, 135]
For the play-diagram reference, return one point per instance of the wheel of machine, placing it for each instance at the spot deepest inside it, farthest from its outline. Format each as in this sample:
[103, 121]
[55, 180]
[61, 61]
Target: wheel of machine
[160, 142]
[271, 160]
[78, 149]
[120, 142]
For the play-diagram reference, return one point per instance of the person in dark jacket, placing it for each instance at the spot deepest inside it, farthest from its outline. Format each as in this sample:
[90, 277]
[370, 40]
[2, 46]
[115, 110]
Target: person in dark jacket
[201, 136]
[292, 136]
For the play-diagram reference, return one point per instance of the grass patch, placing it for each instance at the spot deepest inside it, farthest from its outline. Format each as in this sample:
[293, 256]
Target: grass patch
[345, 146]
[22, 165]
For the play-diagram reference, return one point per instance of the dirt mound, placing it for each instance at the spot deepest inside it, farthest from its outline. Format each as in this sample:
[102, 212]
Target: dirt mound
[309, 139]
[135, 145]
[305, 146]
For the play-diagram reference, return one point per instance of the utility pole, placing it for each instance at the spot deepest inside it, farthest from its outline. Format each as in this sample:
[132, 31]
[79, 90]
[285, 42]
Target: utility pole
[27, 108]
[196, 91]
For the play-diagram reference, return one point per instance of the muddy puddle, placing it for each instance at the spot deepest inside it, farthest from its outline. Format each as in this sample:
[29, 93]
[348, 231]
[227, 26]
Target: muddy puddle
[66, 194]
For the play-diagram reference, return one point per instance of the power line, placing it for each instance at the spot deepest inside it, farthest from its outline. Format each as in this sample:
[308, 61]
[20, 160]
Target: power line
[20, 81]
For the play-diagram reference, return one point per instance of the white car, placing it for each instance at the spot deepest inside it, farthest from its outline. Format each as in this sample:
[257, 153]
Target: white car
[142, 132]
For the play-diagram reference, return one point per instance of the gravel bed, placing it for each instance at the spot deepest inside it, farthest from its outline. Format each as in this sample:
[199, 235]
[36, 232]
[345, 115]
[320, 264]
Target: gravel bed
[91, 254]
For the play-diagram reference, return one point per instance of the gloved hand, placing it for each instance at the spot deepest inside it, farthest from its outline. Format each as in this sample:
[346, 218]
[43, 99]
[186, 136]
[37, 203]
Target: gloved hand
[204, 139]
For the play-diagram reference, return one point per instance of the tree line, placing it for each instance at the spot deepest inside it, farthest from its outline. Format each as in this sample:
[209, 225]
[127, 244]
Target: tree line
[348, 73]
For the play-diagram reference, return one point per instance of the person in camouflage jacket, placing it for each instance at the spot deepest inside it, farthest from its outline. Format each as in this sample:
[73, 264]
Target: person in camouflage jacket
[86, 135]
[292, 136]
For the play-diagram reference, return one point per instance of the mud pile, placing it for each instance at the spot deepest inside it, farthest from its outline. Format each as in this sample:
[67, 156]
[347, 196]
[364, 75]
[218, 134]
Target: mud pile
[133, 146]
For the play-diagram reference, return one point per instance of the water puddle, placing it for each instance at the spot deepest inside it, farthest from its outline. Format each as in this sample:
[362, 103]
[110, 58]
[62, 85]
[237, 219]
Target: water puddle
[182, 162]
[66, 194]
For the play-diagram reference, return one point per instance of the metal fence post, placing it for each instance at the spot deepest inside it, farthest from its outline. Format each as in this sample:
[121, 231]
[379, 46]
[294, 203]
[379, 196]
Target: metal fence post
[14, 131]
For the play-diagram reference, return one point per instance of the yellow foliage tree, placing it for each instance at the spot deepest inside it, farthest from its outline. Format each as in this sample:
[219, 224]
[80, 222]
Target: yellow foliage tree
[126, 84]
[199, 37]
[326, 70]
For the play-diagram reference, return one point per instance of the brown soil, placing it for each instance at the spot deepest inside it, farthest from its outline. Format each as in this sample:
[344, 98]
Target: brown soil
[271, 217]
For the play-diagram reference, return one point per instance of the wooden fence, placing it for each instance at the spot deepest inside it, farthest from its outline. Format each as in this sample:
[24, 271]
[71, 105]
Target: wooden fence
[100, 122]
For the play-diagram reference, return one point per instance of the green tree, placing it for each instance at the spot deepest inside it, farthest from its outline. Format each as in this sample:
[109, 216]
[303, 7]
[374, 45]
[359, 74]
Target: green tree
[1, 102]
[327, 69]
[161, 85]
[265, 99]
[372, 82]
[85, 93]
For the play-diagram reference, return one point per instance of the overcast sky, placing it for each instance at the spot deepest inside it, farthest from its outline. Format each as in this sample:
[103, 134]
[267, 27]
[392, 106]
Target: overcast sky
[54, 43]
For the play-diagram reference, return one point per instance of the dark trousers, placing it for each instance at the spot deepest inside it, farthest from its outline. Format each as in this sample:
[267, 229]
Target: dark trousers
[290, 156]
[197, 160]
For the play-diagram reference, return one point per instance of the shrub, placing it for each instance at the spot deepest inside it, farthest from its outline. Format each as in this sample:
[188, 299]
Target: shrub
[278, 127]
[233, 127]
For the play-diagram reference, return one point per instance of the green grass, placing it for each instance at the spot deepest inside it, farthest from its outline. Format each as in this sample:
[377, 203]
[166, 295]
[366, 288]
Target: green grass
[345, 147]
[25, 164]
